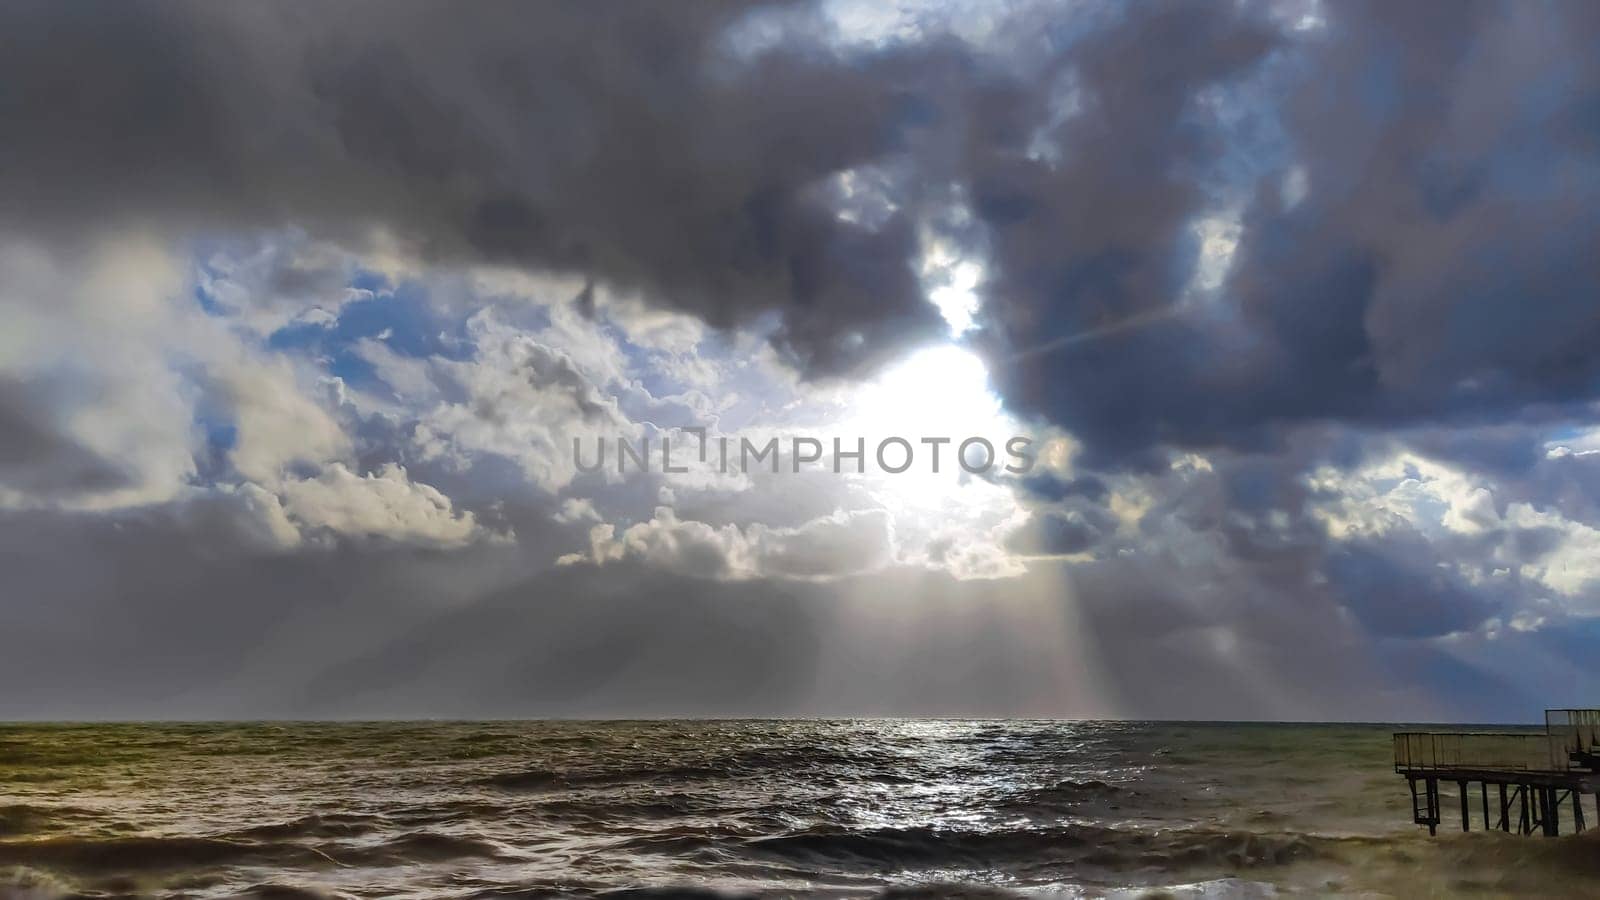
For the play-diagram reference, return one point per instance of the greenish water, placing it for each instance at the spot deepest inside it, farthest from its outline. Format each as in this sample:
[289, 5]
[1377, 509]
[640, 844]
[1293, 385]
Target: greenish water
[831, 808]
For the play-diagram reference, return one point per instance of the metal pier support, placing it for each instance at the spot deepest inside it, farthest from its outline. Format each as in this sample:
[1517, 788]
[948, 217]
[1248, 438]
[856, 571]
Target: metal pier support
[1537, 805]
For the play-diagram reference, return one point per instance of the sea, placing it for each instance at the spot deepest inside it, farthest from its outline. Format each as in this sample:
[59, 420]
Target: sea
[802, 808]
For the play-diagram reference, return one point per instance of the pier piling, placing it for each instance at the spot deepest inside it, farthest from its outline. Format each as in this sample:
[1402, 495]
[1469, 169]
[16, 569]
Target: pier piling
[1535, 771]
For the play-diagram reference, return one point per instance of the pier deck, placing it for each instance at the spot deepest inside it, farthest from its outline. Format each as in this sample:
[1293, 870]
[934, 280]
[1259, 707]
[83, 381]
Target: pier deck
[1534, 773]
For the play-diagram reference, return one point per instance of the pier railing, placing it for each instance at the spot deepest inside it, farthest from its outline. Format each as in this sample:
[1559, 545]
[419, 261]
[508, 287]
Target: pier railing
[1576, 732]
[1533, 774]
[1513, 751]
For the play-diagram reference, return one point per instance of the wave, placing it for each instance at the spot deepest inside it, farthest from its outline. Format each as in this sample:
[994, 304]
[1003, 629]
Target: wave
[447, 812]
[543, 780]
[30, 884]
[131, 854]
[930, 891]
[22, 883]
[947, 890]
[25, 818]
[420, 847]
[1107, 848]
[275, 891]
[670, 893]
[142, 853]
[1066, 794]
[530, 781]
[655, 807]
[315, 825]
[1571, 854]
[794, 761]
[652, 892]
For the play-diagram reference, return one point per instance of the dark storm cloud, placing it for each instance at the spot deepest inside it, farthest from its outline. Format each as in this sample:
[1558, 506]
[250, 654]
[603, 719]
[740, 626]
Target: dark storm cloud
[1392, 589]
[1086, 240]
[625, 142]
[1501, 450]
[1049, 486]
[1455, 201]
[1438, 267]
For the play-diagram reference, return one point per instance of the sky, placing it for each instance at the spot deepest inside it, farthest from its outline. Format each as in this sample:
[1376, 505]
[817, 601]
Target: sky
[1293, 306]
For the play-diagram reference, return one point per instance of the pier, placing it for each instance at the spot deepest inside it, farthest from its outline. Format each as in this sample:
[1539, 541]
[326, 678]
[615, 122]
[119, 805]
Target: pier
[1525, 779]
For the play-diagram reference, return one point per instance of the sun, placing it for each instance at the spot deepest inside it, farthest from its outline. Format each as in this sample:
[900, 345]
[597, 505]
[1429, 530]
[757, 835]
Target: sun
[937, 392]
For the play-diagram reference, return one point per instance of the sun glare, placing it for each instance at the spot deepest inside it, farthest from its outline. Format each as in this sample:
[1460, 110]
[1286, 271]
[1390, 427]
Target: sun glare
[937, 392]
[940, 391]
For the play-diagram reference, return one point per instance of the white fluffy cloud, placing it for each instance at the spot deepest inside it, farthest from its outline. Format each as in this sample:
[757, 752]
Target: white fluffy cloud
[520, 398]
[108, 368]
[384, 504]
[845, 543]
[1451, 507]
[277, 279]
[277, 424]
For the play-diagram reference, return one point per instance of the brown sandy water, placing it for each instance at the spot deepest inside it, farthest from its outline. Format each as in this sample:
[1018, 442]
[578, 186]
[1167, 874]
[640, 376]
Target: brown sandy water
[771, 808]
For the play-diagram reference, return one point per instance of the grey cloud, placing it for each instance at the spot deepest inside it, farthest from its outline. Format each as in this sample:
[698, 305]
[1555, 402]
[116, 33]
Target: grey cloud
[1533, 543]
[846, 543]
[1061, 532]
[1434, 271]
[1398, 589]
[203, 616]
[206, 628]
[1447, 191]
[1051, 487]
[1432, 289]
[38, 459]
[630, 146]
[1088, 244]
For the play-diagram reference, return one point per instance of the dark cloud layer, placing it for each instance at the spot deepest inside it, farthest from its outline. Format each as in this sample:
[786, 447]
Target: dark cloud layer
[626, 143]
[1409, 196]
[195, 632]
[1422, 253]
[1438, 265]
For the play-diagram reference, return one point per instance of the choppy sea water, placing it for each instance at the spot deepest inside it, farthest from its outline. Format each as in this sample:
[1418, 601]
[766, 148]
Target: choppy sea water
[769, 808]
